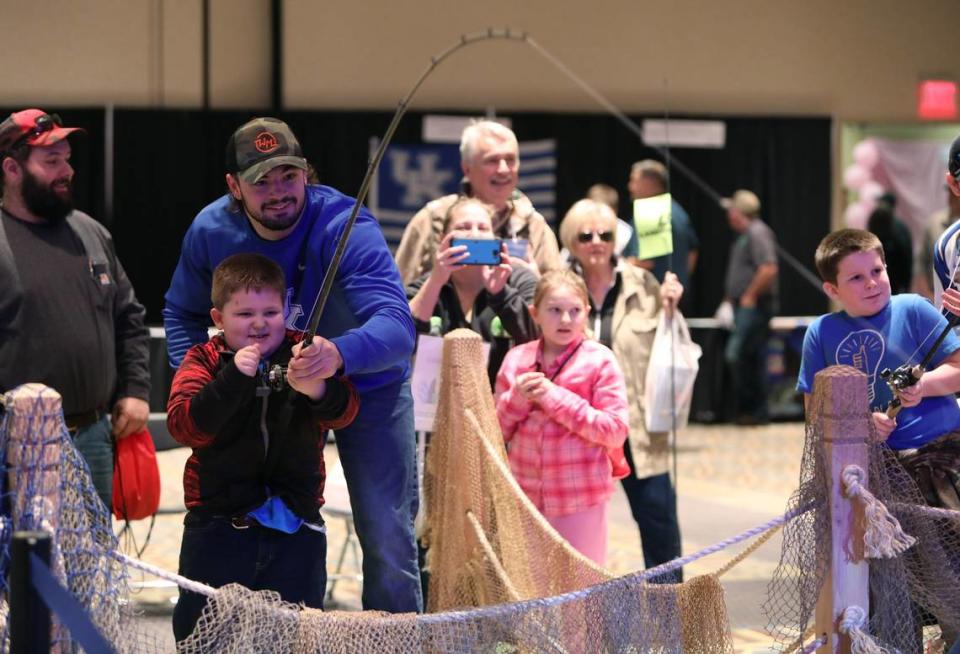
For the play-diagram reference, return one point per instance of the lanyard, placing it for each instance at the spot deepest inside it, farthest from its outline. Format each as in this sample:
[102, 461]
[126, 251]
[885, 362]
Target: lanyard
[563, 363]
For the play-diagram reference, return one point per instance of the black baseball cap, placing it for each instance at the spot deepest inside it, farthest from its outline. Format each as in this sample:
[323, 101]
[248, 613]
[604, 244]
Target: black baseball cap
[259, 146]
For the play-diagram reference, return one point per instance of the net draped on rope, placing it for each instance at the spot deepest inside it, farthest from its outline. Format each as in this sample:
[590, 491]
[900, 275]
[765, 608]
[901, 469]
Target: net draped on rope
[496, 567]
[920, 587]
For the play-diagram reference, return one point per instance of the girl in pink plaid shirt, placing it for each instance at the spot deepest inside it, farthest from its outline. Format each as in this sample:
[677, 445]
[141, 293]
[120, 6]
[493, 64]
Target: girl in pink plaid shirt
[562, 405]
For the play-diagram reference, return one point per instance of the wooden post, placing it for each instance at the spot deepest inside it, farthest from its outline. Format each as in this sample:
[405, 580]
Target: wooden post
[33, 453]
[843, 415]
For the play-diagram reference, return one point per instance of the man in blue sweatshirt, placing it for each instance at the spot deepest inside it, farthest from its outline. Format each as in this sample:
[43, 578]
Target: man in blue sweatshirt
[367, 330]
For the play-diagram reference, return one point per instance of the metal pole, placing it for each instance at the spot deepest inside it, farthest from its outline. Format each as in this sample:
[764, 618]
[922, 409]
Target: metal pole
[205, 54]
[276, 56]
[29, 615]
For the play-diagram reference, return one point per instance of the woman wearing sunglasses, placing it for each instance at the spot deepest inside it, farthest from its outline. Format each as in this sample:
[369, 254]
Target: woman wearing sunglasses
[625, 306]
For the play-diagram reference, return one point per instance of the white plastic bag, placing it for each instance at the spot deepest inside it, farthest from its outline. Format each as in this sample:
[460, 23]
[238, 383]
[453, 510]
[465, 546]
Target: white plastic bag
[673, 367]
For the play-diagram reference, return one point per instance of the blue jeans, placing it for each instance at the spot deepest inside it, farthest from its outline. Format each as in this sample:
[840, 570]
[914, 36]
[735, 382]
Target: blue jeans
[216, 553]
[653, 503]
[744, 356]
[95, 444]
[379, 457]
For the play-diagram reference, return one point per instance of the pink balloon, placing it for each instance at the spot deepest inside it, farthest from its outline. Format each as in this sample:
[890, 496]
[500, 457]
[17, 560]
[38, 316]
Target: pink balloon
[855, 176]
[856, 214]
[871, 190]
[866, 154]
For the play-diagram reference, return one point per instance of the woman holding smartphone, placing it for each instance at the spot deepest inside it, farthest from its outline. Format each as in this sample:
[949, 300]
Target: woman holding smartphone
[491, 300]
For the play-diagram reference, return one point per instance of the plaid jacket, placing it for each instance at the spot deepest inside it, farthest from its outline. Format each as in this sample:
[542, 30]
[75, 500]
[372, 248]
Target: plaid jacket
[560, 447]
[245, 446]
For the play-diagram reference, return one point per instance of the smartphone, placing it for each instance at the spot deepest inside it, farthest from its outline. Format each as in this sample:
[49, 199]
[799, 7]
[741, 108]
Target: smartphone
[517, 247]
[480, 251]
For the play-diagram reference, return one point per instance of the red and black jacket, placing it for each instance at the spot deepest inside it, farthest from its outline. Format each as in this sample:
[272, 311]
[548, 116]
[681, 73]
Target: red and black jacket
[247, 447]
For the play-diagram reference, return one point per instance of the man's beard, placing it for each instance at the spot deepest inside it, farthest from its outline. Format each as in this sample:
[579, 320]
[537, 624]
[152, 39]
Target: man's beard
[274, 223]
[43, 201]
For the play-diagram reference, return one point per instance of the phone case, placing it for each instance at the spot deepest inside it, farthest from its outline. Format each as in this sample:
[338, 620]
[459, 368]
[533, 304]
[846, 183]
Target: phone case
[482, 252]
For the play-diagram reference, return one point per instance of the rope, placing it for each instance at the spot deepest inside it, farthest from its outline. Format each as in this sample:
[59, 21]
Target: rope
[883, 538]
[631, 579]
[852, 624]
[516, 607]
[748, 551]
[183, 582]
[733, 540]
[814, 646]
[949, 514]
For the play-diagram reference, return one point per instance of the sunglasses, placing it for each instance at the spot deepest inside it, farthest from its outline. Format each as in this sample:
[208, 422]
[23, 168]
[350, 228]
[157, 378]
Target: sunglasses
[587, 237]
[41, 125]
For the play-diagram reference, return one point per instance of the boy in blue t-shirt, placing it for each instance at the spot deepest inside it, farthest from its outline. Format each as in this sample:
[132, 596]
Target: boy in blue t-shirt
[876, 331]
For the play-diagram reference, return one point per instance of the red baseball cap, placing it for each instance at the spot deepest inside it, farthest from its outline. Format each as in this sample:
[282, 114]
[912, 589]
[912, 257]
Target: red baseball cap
[35, 127]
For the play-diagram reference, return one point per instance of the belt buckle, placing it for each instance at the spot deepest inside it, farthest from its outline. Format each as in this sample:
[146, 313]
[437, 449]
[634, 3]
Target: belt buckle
[241, 522]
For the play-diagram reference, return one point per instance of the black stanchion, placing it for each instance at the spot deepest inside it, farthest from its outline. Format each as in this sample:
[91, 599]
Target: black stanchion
[29, 616]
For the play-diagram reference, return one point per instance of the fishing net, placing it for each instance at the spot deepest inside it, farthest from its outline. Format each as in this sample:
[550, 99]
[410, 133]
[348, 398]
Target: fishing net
[47, 486]
[502, 579]
[907, 592]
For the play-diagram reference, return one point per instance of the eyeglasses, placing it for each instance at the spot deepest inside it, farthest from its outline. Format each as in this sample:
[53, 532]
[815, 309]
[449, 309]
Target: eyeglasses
[587, 237]
[41, 125]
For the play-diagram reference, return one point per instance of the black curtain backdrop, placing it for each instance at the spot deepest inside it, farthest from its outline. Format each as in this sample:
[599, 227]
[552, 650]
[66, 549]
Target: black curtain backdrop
[170, 163]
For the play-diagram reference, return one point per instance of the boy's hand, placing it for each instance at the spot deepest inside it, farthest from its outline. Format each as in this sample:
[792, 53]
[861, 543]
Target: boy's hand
[532, 385]
[322, 360]
[911, 395]
[247, 359]
[884, 424]
[951, 301]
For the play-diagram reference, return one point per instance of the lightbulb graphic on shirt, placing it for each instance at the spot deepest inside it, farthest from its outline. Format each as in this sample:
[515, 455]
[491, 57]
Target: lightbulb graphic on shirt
[864, 351]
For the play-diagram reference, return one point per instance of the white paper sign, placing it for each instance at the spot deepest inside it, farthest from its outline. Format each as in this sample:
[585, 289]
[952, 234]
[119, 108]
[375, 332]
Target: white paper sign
[425, 383]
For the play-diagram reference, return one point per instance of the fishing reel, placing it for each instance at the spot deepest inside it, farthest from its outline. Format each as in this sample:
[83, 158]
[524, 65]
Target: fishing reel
[272, 380]
[897, 380]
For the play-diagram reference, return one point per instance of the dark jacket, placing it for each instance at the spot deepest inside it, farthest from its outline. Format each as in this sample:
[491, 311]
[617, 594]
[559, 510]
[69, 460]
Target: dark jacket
[502, 320]
[216, 410]
[114, 360]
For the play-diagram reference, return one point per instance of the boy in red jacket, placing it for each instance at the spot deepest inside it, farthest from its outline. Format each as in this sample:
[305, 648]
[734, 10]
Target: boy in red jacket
[253, 486]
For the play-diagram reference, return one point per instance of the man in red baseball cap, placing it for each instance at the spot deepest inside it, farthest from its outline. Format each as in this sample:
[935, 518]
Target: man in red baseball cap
[59, 268]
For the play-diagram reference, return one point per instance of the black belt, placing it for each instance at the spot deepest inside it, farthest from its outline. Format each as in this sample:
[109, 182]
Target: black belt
[78, 421]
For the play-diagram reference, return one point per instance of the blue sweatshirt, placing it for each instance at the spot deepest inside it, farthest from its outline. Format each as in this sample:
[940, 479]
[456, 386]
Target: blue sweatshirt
[366, 316]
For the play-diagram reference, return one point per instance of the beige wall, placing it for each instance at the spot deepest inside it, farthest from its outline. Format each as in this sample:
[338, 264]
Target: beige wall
[857, 59]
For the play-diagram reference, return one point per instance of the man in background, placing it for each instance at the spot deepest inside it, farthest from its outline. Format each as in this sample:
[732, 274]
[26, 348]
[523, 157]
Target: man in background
[490, 160]
[751, 288]
[649, 178]
[68, 314]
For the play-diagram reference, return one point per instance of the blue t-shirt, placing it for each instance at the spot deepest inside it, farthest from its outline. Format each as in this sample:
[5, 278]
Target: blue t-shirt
[903, 332]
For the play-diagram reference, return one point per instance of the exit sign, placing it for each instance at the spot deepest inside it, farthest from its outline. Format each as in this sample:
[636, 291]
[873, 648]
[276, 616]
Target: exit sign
[937, 99]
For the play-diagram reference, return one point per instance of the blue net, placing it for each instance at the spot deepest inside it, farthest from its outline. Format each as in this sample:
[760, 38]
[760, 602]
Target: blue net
[46, 486]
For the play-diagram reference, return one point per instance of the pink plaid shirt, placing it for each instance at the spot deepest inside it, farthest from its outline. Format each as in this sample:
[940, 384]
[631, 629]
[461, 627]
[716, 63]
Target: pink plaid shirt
[560, 446]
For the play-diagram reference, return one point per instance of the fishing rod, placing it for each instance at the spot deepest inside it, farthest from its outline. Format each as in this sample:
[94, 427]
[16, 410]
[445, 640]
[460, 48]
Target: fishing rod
[276, 376]
[907, 375]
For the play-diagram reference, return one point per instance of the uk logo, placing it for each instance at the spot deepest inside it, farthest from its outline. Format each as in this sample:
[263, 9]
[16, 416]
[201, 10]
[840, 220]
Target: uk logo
[422, 183]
